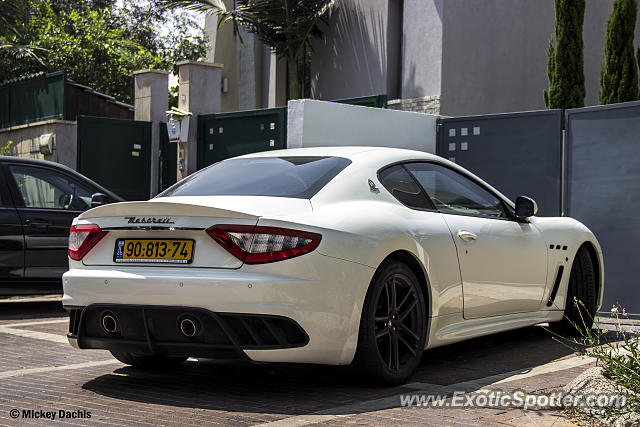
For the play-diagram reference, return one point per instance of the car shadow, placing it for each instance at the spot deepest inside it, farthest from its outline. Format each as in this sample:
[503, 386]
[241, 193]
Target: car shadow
[303, 389]
[26, 310]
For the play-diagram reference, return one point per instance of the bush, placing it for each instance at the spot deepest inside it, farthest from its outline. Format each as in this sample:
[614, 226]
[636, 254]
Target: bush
[616, 351]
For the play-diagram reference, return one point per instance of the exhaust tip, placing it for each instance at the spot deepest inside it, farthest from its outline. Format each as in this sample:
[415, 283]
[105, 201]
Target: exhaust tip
[189, 327]
[110, 323]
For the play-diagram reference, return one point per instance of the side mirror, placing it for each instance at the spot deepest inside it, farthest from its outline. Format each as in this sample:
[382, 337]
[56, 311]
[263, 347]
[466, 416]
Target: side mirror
[525, 207]
[99, 199]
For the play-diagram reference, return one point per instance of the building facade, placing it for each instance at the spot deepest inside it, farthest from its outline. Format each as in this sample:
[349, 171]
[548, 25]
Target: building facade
[450, 57]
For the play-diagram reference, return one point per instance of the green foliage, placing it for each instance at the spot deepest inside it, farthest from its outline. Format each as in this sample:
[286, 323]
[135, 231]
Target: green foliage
[565, 67]
[616, 351]
[287, 26]
[68, 5]
[83, 44]
[619, 73]
[173, 96]
[142, 20]
[17, 17]
[6, 149]
[99, 45]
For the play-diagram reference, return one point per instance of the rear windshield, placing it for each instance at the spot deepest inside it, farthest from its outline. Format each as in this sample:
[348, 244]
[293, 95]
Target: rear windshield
[295, 177]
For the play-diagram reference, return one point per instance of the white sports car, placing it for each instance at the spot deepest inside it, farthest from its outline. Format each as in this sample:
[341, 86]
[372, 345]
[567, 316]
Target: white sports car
[351, 255]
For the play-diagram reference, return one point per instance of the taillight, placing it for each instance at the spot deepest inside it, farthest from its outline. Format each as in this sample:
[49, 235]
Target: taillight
[82, 238]
[257, 245]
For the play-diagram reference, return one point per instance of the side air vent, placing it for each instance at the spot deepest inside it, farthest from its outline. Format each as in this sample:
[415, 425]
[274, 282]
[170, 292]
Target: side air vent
[556, 285]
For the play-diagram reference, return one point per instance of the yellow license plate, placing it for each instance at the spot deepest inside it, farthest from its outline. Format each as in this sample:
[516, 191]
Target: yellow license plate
[172, 251]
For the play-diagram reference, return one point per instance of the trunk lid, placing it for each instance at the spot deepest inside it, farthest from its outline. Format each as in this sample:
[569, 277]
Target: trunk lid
[186, 218]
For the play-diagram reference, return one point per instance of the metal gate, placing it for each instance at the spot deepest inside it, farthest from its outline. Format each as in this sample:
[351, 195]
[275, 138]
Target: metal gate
[518, 153]
[225, 135]
[116, 154]
[168, 162]
[603, 191]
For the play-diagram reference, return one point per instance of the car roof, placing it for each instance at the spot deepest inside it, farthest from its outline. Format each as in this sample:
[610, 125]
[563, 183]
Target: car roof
[38, 162]
[350, 152]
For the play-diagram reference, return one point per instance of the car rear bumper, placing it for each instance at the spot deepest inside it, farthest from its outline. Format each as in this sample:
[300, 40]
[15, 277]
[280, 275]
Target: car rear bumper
[180, 331]
[322, 296]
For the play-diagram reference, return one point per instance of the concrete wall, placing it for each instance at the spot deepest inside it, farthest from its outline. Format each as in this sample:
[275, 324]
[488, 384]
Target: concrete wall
[26, 136]
[225, 51]
[151, 103]
[312, 123]
[247, 67]
[494, 54]
[421, 48]
[351, 60]
[478, 56]
[198, 93]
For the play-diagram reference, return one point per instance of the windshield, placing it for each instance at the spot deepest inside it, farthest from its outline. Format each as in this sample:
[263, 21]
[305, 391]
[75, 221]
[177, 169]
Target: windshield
[295, 177]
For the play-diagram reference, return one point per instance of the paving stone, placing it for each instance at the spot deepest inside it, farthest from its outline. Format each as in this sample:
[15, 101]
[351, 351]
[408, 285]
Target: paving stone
[239, 394]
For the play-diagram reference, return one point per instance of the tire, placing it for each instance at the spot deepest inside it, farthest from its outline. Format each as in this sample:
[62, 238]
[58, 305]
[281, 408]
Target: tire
[578, 318]
[392, 336]
[148, 362]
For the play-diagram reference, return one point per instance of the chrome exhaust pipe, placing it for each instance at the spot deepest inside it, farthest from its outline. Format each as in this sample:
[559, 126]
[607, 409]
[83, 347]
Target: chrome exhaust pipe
[110, 323]
[189, 327]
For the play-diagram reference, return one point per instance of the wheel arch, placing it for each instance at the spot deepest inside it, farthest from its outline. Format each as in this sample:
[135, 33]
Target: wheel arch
[416, 266]
[596, 260]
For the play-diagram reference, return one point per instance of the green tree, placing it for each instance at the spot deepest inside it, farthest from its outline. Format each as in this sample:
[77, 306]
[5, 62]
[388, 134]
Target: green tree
[142, 22]
[287, 26]
[17, 17]
[98, 46]
[565, 67]
[83, 44]
[619, 73]
[69, 5]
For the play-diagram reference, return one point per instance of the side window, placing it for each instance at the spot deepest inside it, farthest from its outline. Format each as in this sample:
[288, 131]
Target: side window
[453, 193]
[404, 188]
[46, 188]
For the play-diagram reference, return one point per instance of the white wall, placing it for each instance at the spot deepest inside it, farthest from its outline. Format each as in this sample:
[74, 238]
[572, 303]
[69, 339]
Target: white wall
[312, 123]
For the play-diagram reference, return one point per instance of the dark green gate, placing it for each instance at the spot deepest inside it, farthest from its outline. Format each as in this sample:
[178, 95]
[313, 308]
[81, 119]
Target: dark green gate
[376, 101]
[225, 135]
[116, 154]
[168, 164]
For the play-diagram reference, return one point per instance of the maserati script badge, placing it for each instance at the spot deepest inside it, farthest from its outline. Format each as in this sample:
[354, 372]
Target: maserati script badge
[148, 220]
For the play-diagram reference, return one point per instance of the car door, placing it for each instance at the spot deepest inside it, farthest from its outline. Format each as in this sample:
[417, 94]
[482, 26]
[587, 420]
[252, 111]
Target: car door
[429, 229]
[11, 241]
[47, 200]
[503, 262]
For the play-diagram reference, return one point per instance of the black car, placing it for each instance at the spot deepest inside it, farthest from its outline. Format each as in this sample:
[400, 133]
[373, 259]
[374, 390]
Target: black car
[38, 201]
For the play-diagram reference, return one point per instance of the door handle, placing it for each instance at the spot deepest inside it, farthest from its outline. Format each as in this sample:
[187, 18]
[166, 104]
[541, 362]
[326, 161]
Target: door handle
[467, 236]
[37, 222]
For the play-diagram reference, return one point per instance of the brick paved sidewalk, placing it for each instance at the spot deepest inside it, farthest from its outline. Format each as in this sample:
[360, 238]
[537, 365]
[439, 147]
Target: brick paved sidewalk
[39, 371]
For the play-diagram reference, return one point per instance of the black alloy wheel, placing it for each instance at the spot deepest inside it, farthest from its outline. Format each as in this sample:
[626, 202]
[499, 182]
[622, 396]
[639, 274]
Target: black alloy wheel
[393, 325]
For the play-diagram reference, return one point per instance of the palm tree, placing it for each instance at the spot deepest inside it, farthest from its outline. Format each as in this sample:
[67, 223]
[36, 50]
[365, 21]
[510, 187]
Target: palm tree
[287, 26]
[15, 17]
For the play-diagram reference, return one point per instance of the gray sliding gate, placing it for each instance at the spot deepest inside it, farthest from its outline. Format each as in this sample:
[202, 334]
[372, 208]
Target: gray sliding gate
[518, 153]
[603, 191]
